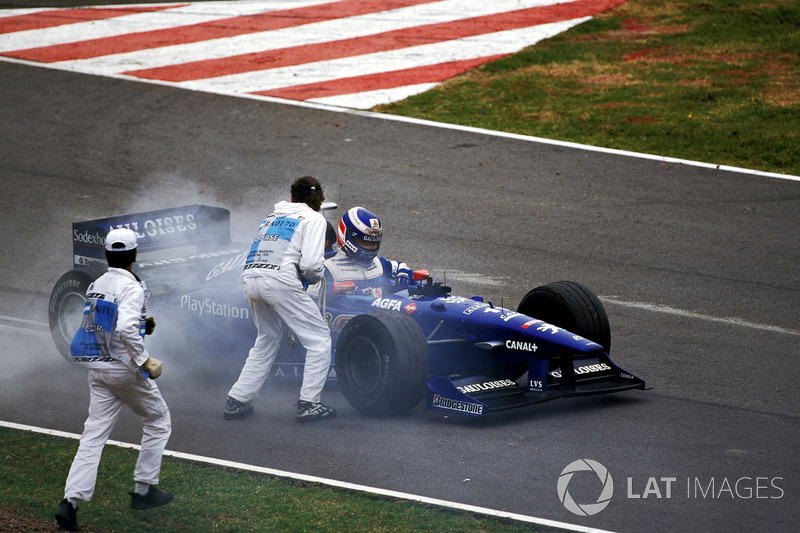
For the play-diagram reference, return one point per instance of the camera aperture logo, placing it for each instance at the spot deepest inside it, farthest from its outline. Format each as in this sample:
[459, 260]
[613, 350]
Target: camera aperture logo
[585, 465]
[582, 474]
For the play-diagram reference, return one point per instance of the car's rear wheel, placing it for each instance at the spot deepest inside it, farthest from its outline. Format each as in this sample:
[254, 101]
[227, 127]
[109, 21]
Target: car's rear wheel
[67, 300]
[571, 306]
[382, 363]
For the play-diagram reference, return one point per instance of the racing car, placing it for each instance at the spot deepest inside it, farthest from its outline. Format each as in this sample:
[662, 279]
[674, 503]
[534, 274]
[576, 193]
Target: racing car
[462, 355]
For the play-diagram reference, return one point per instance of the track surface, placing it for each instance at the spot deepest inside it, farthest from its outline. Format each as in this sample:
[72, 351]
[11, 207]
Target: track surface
[501, 216]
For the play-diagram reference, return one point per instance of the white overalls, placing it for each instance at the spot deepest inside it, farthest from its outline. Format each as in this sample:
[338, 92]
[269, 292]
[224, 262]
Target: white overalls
[286, 254]
[115, 380]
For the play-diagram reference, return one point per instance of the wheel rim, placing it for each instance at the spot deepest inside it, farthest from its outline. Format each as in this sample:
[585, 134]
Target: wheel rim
[364, 366]
[71, 313]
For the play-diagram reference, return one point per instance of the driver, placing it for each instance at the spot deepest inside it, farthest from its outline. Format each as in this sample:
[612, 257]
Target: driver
[356, 267]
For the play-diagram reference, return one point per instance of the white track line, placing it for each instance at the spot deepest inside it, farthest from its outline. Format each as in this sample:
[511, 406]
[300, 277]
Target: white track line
[332, 104]
[22, 320]
[38, 329]
[731, 321]
[442, 125]
[530, 138]
[329, 482]
[41, 329]
[20, 329]
[369, 99]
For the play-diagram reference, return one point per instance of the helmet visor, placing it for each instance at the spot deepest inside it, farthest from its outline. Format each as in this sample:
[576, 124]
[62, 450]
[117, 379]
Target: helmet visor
[369, 246]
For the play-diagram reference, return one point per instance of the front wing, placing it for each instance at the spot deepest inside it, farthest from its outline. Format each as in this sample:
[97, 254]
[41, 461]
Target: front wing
[478, 395]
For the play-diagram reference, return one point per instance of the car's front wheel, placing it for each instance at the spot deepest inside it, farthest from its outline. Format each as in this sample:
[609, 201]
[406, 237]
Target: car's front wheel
[571, 306]
[382, 363]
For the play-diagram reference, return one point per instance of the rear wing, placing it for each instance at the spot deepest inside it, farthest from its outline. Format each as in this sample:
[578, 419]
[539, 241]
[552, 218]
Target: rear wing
[155, 230]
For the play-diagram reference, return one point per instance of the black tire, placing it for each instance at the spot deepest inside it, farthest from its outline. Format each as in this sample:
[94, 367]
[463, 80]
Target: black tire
[67, 300]
[571, 306]
[382, 363]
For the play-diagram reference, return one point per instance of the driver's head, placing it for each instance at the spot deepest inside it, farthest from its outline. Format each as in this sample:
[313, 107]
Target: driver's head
[121, 247]
[359, 234]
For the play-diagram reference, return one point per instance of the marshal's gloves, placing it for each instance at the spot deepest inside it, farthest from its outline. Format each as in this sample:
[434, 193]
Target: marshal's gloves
[149, 325]
[152, 367]
[403, 278]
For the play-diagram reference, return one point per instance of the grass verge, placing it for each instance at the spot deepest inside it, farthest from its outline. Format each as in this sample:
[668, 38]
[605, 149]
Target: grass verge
[716, 81]
[34, 467]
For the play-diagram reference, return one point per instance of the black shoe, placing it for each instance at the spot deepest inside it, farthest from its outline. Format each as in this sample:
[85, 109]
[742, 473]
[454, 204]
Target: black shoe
[235, 409]
[153, 498]
[67, 516]
[311, 412]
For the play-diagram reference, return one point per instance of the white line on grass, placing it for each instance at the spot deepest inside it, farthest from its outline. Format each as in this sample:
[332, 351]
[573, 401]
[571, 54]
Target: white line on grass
[329, 482]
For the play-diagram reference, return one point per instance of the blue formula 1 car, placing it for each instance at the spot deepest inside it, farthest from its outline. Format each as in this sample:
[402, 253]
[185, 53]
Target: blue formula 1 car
[463, 355]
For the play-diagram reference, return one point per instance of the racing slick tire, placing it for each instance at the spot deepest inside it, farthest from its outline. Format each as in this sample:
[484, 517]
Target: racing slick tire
[571, 306]
[67, 300]
[382, 363]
